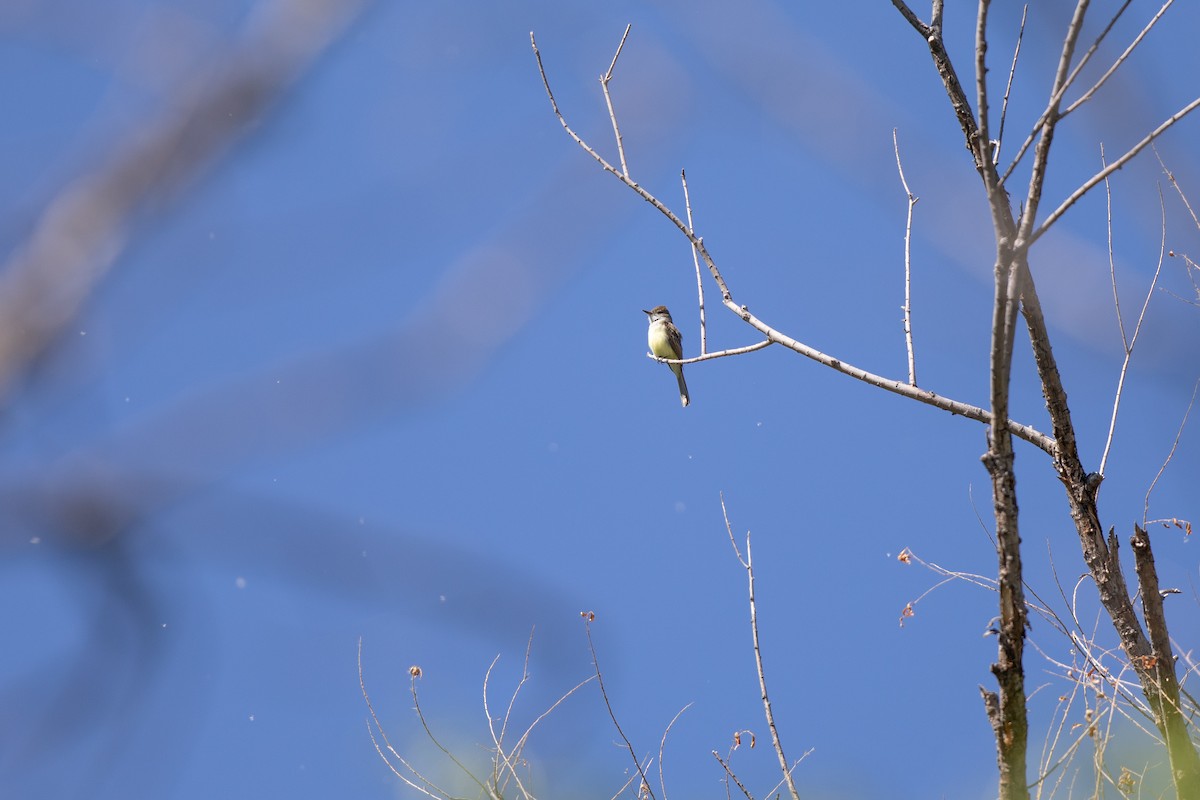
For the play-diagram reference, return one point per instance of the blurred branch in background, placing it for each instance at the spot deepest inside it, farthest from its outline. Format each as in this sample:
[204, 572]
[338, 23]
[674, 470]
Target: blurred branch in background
[80, 234]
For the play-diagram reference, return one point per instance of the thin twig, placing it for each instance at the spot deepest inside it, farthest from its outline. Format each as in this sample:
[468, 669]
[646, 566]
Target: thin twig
[748, 564]
[1190, 266]
[732, 777]
[912, 201]
[1128, 343]
[1178, 189]
[612, 115]
[736, 351]
[687, 202]
[1121, 59]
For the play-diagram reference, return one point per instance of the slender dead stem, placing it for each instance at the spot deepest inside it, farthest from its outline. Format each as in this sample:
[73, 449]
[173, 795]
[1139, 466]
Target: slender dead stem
[436, 743]
[612, 114]
[912, 201]
[587, 621]
[662, 749]
[687, 203]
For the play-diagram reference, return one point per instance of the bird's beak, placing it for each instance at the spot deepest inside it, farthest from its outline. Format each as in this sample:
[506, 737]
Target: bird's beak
[644, 311]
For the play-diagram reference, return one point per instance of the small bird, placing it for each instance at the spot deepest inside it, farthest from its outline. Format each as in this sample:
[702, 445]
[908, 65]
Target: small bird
[666, 342]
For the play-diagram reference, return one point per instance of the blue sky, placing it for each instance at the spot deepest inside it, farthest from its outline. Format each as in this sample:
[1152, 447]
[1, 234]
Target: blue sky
[378, 371]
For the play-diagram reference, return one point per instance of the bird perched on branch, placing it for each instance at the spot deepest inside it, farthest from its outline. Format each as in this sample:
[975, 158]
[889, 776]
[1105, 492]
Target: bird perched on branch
[666, 342]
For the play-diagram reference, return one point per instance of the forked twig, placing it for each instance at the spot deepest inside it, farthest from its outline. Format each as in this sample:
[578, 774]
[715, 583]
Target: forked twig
[748, 564]
[912, 201]
[1127, 342]
[612, 115]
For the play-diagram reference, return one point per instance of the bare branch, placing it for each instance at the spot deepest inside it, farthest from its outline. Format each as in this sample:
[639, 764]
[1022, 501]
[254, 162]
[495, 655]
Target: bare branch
[1025, 432]
[1128, 343]
[1121, 59]
[735, 351]
[1012, 71]
[1041, 152]
[729, 771]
